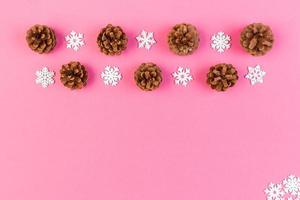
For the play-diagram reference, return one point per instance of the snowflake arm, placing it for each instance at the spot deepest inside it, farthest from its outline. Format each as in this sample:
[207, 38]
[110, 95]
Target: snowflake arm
[44, 77]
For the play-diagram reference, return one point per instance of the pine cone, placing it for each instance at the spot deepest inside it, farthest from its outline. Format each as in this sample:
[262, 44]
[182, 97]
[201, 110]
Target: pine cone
[257, 39]
[41, 39]
[222, 76]
[148, 76]
[73, 75]
[183, 39]
[112, 40]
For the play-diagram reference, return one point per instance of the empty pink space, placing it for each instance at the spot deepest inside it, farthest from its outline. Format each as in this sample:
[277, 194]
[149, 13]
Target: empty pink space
[120, 143]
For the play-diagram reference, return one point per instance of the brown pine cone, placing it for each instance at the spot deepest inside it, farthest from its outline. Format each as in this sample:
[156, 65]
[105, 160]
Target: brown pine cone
[148, 76]
[222, 76]
[183, 39]
[73, 75]
[257, 39]
[112, 40]
[41, 39]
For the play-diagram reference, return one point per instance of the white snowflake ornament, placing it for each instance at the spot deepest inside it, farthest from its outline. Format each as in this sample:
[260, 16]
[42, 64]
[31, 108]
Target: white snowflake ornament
[292, 185]
[255, 74]
[44, 77]
[74, 40]
[111, 75]
[145, 39]
[220, 42]
[274, 192]
[291, 198]
[182, 76]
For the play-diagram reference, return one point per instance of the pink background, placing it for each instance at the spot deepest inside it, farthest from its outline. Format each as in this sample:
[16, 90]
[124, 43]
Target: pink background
[124, 144]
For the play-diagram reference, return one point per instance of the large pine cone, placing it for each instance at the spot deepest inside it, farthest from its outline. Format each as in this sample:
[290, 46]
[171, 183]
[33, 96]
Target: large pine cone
[73, 75]
[222, 76]
[257, 39]
[183, 39]
[148, 76]
[112, 40]
[41, 39]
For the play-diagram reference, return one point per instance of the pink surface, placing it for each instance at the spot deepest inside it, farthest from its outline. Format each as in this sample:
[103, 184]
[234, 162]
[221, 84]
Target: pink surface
[124, 144]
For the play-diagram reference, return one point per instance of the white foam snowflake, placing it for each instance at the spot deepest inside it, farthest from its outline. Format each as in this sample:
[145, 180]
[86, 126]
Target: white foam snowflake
[146, 39]
[292, 185]
[44, 77]
[111, 75]
[291, 198]
[182, 76]
[74, 40]
[274, 192]
[220, 42]
[255, 75]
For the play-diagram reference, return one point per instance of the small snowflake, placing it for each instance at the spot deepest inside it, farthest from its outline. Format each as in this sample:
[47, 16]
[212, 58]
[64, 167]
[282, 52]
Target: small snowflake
[291, 198]
[274, 192]
[182, 76]
[111, 75]
[74, 40]
[220, 42]
[292, 185]
[255, 74]
[44, 77]
[146, 39]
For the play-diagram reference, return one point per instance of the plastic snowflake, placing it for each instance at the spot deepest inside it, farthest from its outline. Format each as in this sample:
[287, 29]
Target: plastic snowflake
[274, 192]
[74, 40]
[44, 77]
[292, 185]
[182, 76]
[255, 74]
[145, 39]
[111, 75]
[220, 42]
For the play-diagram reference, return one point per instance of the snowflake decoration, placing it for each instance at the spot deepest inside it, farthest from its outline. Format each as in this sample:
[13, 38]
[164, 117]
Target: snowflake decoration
[44, 77]
[220, 42]
[74, 40]
[255, 74]
[292, 185]
[182, 76]
[111, 75]
[274, 192]
[289, 189]
[291, 198]
[146, 39]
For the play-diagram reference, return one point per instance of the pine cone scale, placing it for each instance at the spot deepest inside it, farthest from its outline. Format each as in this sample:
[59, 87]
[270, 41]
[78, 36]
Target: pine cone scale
[112, 40]
[257, 39]
[222, 76]
[148, 76]
[183, 39]
[73, 75]
[41, 39]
